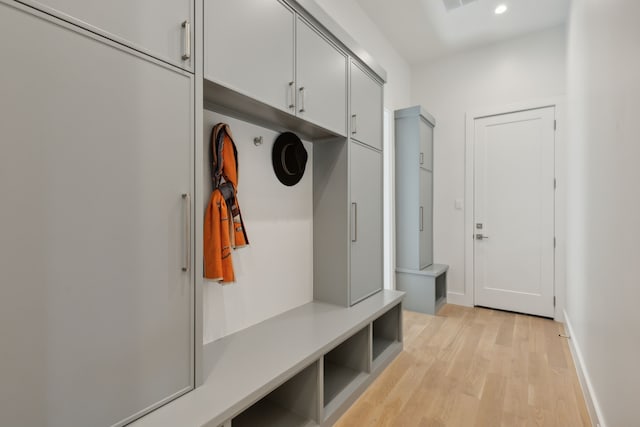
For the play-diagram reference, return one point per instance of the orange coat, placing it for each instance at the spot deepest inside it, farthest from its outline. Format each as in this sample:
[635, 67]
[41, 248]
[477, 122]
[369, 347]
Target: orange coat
[223, 226]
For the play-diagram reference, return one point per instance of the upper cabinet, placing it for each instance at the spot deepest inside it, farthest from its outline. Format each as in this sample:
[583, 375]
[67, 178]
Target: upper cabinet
[267, 52]
[366, 108]
[162, 29]
[249, 47]
[321, 80]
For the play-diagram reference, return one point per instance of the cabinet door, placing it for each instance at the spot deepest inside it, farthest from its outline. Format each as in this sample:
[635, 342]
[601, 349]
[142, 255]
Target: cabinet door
[96, 312]
[321, 79]
[366, 221]
[366, 108]
[426, 218]
[249, 47]
[426, 145]
[151, 26]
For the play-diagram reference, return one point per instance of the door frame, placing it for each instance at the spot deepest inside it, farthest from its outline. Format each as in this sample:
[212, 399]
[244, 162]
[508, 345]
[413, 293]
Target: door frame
[468, 297]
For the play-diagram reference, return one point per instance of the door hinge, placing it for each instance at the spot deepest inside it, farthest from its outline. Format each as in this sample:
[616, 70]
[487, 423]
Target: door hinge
[554, 242]
[555, 184]
[554, 301]
[555, 125]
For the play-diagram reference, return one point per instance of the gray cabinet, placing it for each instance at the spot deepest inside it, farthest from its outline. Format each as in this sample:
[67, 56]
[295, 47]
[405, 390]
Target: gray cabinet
[414, 188]
[249, 47]
[321, 80]
[366, 221]
[268, 53]
[151, 26]
[366, 107]
[96, 308]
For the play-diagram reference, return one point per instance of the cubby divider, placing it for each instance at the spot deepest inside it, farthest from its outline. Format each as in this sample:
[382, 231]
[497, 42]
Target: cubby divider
[386, 334]
[345, 368]
[296, 403]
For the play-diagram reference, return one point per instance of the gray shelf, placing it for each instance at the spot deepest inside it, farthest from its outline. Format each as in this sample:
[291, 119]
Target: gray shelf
[266, 413]
[379, 346]
[386, 331]
[339, 383]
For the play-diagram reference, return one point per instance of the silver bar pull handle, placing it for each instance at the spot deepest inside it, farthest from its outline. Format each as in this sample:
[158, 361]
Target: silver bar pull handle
[421, 218]
[422, 158]
[354, 222]
[354, 124]
[186, 25]
[292, 101]
[187, 231]
[301, 99]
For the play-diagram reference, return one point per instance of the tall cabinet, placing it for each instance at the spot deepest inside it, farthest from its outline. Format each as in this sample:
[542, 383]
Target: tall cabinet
[366, 184]
[96, 172]
[424, 282]
[414, 188]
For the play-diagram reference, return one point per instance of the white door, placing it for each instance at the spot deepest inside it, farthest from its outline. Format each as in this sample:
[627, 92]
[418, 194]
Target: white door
[514, 211]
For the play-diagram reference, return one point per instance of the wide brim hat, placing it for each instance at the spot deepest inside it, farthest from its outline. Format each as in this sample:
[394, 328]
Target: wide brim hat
[289, 158]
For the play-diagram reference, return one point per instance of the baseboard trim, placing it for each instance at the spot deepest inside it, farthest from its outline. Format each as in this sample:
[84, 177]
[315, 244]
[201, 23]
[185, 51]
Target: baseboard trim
[597, 420]
[458, 299]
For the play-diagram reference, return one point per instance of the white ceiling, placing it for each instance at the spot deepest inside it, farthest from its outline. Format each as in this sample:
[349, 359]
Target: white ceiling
[422, 30]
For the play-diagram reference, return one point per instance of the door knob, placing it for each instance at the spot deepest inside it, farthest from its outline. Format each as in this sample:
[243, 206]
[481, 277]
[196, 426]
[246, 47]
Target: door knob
[481, 237]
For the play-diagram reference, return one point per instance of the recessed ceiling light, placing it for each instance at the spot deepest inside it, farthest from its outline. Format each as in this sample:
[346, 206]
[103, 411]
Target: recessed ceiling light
[502, 8]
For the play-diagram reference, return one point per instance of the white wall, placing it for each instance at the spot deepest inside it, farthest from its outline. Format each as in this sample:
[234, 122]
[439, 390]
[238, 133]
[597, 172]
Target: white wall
[603, 265]
[516, 71]
[354, 20]
[275, 272]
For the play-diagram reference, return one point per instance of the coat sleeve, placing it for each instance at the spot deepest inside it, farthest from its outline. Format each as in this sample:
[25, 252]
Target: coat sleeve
[218, 264]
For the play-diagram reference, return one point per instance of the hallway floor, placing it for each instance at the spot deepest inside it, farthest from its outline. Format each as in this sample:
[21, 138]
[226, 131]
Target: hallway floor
[475, 367]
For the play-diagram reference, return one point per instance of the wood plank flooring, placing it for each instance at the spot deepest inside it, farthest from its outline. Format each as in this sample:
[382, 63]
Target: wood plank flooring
[475, 367]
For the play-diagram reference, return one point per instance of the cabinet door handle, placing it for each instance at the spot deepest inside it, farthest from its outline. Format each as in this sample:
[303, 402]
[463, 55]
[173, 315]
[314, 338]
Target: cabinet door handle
[422, 158]
[186, 25]
[292, 101]
[354, 222]
[354, 124]
[302, 99]
[186, 198]
[421, 218]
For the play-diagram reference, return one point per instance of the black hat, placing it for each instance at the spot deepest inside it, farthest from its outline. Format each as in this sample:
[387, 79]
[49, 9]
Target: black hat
[289, 158]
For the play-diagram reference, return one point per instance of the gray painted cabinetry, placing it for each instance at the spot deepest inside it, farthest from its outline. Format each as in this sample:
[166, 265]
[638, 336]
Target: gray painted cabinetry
[414, 188]
[154, 27]
[266, 51]
[250, 48]
[96, 312]
[366, 222]
[424, 282]
[366, 107]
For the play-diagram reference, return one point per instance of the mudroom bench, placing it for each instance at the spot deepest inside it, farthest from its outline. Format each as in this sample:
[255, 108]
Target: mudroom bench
[303, 367]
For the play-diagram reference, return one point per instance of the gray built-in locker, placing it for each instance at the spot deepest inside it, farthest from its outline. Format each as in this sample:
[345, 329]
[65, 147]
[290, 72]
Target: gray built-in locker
[414, 188]
[96, 295]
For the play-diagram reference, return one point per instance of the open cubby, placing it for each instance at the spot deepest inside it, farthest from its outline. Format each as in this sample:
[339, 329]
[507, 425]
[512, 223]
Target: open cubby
[293, 404]
[346, 367]
[386, 333]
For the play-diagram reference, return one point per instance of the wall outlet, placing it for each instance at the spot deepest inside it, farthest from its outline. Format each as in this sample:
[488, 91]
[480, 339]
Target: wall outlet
[459, 204]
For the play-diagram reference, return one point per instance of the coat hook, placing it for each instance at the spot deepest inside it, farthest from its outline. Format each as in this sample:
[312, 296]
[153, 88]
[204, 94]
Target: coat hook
[257, 141]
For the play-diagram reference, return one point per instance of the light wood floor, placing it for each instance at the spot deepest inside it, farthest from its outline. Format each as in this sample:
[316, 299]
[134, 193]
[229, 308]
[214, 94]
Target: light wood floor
[475, 367]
